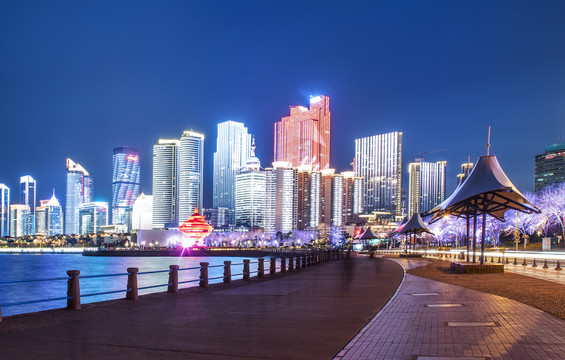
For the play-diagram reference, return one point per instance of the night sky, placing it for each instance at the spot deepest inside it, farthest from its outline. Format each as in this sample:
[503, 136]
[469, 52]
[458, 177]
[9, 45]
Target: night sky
[80, 78]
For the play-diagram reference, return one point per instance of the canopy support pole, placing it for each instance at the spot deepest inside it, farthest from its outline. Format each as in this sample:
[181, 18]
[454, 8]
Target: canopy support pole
[484, 230]
[468, 242]
[475, 237]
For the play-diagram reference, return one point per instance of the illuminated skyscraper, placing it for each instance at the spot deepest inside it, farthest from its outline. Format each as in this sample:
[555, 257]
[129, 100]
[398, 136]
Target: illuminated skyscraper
[92, 216]
[142, 213]
[4, 210]
[79, 191]
[378, 160]
[28, 196]
[165, 183]
[426, 185]
[550, 166]
[125, 183]
[250, 187]
[352, 201]
[232, 150]
[303, 137]
[19, 220]
[285, 199]
[465, 171]
[49, 217]
[191, 175]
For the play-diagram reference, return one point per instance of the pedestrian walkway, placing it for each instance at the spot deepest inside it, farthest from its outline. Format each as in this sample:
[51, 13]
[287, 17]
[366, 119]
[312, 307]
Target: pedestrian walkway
[428, 320]
[311, 313]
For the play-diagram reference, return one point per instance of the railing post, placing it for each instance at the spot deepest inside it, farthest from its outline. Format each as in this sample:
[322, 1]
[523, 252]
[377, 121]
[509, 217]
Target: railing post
[291, 263]
[173, 279]
[261, 268]
[246, 269]
[298, 262]
[227, 272]
[283, 264]
[204, 274]
[273, 269]
[132, 293]
[73, 290]
[304, 261]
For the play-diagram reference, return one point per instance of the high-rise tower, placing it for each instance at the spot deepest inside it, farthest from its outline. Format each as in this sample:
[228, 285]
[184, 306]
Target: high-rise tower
[125, 183]
[79, 191]
[303, 137]
[165, 182]
[232, 150]
[4, 210]
[28, 197]
[378, 160]
[426, 185]
[191, 175]
[250, 188]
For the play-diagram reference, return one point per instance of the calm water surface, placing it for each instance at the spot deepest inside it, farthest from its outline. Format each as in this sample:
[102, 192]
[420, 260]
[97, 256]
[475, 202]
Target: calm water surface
[38, 266]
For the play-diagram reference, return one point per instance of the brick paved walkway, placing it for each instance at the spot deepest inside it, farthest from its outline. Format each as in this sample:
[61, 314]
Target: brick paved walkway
[540, 273]
[493, 327]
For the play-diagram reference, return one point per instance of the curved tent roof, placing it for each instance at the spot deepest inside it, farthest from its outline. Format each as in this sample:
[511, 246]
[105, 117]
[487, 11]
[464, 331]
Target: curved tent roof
[367, 234]
[399, 227]
[414, 225]
[486, 187]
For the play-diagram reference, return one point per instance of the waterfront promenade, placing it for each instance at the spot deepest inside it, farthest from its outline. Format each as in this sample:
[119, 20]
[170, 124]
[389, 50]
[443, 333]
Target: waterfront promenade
[311, 313]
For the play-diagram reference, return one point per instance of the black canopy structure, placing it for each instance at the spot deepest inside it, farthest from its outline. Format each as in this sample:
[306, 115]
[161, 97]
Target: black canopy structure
[366, 235]
[414, 226]
[486, 191]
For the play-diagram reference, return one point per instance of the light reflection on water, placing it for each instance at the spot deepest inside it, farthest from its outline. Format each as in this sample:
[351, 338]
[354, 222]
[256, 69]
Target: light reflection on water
[39, 266]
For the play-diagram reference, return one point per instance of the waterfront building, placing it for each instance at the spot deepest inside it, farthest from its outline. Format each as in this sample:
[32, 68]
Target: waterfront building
[270, 200]
[304, 197]
[19, 220]
[426, 185]
[285, 196]
[79, 191]
[142, 213]
[465, 171]
[191, 173]
[4, 210]
[352, 197]
[232, 151]
[378, 161]
[28, 196]
[165, 182]
[92, 216]
[49, 217]
[550, 166]
[125, 184]
[218, 217]
[303, 137]
[250, 189]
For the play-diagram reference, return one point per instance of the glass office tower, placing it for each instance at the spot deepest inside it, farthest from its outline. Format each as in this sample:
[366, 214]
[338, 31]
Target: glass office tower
[125, 183]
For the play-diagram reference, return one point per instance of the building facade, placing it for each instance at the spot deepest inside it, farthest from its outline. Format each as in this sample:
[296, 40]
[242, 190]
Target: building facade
[80, 187]
[550, 166]
[303, 137]
[125, 183]
[426, 185]
[49, 217]
[142, 213]
[466, 169]
[28, 196]
[232, 151]
[191, 173]
[19, 220]
[4, 210]
[250, 190]
[165, 182]
[92, 216]
[378, 161]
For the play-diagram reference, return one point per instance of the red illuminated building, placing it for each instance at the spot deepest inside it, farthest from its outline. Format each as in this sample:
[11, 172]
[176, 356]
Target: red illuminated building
[303, 137]
[195, 229]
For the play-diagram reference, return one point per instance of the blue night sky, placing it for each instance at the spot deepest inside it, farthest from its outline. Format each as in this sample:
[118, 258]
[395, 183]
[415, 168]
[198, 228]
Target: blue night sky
[80, 78]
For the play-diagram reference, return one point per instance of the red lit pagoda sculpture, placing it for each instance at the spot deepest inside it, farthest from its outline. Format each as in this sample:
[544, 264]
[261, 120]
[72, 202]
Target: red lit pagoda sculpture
[195, 229]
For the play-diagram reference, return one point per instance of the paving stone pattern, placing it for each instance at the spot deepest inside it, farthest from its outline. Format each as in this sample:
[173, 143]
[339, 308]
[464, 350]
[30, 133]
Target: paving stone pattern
[407, 329]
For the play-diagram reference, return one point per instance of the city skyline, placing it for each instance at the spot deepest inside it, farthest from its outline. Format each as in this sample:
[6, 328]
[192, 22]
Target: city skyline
[506, 73]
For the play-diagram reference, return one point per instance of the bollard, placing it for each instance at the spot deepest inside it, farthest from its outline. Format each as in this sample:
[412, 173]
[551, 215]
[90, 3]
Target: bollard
[273, 269]
[304, 261]
[261, 267]
[515, 262]
[534, 264]
[227, 272]
[290, 263]
[492, 259]
[524, 263]
[203, 274]
[545, 264]
[173, 279]
[499, 260]
[246, 269]
[558, 265]
[298, 262]
[283, 264]
[507, 262]
[132, 293]
[73, 290]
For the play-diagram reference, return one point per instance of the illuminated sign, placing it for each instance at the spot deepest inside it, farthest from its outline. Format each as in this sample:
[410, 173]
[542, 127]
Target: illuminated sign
[132, 158]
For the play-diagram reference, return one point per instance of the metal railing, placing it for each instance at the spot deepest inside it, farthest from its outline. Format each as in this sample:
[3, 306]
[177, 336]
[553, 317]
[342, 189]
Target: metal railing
[276, 265]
